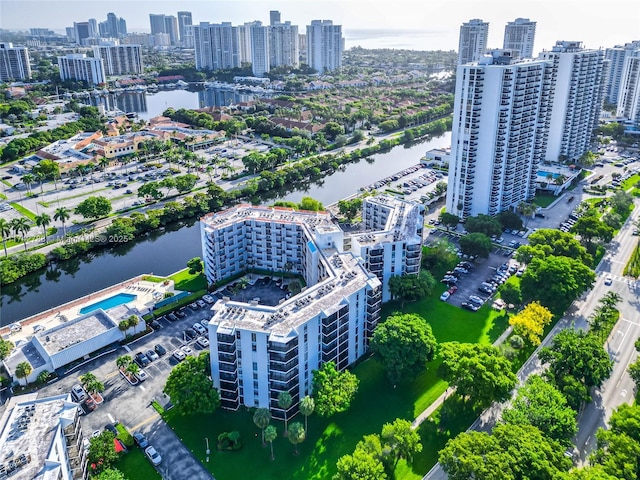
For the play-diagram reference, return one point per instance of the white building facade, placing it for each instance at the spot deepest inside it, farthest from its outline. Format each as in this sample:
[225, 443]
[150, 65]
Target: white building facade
[258, 351]
[629, 96]
[519, 37]
[325, 46]
[578, 83]
[259, 36]
[615, 58]
[14, 62]
[500, 125]
[120, 59]
[78, 66]
[473, 41]
[284, 48]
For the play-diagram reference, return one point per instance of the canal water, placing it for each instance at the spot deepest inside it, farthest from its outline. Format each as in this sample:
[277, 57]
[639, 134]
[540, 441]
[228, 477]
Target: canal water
[165, 252]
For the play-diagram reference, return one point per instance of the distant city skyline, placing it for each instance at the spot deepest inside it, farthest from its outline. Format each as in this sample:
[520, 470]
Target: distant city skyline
[369, 23]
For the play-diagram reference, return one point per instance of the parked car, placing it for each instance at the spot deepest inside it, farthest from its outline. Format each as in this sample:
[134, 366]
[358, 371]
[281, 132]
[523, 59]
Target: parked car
[155, 324]
[190, 333]
[209, 299]
[160, 350]
[199, 328]
[203, 342]
[445, 296]
[111, 428]
[172, 317]
[180, 313]
[90, 403]
[608, 280]
[204, 323]
[153, 456]
[469, 306]
[141, 375]
[186, 350]
[141, 359]
[453, 290]
[151, 355]
[193, 306]
[201, 303]
[140, 440]
[179, 355]
[78, 393]
[475, 299]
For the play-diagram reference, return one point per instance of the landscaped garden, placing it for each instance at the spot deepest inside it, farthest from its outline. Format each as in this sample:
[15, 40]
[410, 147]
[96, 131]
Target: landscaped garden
[377, 402]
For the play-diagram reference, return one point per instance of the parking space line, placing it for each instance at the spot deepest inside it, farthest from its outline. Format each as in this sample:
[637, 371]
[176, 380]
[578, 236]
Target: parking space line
[153, 417]
[111, 419]
[126, 347]
[111, 374]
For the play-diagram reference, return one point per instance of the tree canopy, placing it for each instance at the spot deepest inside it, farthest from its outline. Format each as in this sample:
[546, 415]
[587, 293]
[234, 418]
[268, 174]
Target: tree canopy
[542, 405]
[5, 348]
[475, 244]
[405, 343]
[511, 452]
[591, 228]
[190, 389]
[449, 220]
[551, 242]
[556, 281]
[350, 208]
[478, 371]
[509, 219]
[360, 465]
[94, 207]
[333, 391]
[483, 224]
[619, 446]
[529, 323]
[409, 287]
[102, 452]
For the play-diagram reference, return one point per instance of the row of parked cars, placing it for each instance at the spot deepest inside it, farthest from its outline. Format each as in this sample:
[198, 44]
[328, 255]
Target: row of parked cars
[150, 452]
[451, 278]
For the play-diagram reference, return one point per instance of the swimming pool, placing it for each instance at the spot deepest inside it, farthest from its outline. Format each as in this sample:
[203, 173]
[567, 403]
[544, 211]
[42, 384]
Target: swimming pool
[545, 174]
[107, 303]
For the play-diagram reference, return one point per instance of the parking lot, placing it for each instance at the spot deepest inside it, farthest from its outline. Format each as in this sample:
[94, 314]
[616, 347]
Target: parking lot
[131, 405]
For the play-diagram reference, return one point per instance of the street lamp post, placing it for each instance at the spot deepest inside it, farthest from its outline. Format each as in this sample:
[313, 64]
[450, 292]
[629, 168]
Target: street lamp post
[207, 451]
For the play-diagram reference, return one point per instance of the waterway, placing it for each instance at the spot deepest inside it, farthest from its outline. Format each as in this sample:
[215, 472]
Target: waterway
[165, 252]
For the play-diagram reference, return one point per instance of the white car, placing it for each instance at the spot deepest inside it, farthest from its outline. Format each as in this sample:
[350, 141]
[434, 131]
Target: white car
[203, 342]
[153, 455]
[199, 328]
[204, 323]
[209, 299]
[152, 355]
[179, 355]
[186, 350]
[141, 375]
[608, 280]
[445, 296]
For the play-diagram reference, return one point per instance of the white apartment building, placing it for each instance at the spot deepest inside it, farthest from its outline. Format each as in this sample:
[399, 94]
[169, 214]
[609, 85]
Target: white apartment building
[325, 46]
[244, 34]
[77, 66]
[120, 59]
[615, 58]
[500, 125]
[284, 50]
[216, 45]
[185, 29]
[258, 351]
[259, 36]
[578, 83]
[42, 439]
[14, 62]
[519, 37]
[629, 97]
[473, 41]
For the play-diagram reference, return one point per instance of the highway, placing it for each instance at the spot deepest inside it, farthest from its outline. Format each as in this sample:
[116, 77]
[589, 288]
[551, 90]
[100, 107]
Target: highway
[619, 388]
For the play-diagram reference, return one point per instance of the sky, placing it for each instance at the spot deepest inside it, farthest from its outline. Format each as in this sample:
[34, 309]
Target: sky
[418, 24]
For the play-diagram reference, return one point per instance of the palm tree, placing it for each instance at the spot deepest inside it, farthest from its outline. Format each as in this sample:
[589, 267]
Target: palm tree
[63, 214]
[91, 383]
[123, 361]
[41, 176]
[297, 434]
[132, 368]
[5, 231]
[270, 434]
[610, 300]
[284, 402]
[29, 179]
[261, 418]
[103, 162]
[307, 406]
[23, 370]
[43, 220]
[21, 226]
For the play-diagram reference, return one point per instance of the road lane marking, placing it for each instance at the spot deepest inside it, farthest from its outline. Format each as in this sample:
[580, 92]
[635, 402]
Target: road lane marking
[141, 387]
[111, 419]
[153, 417]
[126, 347]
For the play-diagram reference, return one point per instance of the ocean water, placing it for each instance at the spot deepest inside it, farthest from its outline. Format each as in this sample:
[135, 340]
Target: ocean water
[427, 39]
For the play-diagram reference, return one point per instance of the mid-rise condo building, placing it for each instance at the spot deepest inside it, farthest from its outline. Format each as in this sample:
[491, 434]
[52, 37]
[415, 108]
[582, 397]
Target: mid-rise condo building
[259, 350]
[615, 58]
[77, 66]
[14, 62]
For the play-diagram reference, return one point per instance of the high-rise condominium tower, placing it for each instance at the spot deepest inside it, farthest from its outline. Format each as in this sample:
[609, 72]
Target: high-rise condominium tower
[519, 36]
[324, 45]
[473, 41]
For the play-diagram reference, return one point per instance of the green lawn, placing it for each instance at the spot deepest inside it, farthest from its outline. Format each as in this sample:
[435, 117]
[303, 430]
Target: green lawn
[187, 282]
[134, 465]
[544, 199]
[24, 211]
[376, 403]
[631, 181]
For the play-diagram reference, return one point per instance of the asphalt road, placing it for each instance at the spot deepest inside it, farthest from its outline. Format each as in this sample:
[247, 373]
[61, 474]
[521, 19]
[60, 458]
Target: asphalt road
[619, 388]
